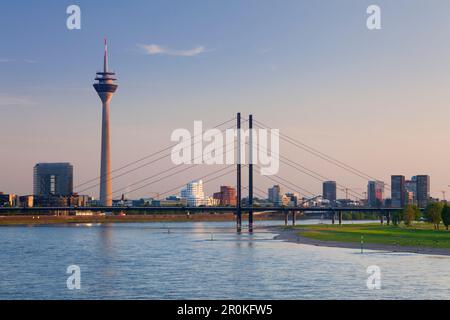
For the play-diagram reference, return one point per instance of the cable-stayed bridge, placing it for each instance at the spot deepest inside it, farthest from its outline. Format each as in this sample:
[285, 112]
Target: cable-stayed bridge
[143, 184]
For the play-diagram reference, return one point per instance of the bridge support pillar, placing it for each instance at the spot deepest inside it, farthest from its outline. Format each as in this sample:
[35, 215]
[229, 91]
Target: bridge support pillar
[286, 217]
[238, 182]
[340, 217]
[293, 217]
[250, 174]
[388, 218]
[382, 218]
[333, 217]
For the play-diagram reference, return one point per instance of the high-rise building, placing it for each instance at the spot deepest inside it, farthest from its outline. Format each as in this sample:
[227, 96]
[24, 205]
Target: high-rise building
[105, 88]
[53, 179]
[329, 191]
[398, 191]
[226, 196]
[274, 195]
[411, 190]
[423, 190]
[375, 190]
[193, 193]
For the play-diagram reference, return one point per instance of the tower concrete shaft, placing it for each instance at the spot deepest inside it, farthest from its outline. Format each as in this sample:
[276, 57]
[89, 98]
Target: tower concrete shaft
[105, 88]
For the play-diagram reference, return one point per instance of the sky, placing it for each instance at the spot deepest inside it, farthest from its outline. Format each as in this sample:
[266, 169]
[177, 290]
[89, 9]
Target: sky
[375, 99]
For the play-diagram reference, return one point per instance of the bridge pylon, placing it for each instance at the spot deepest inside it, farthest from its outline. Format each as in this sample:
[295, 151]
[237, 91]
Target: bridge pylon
[238, 172]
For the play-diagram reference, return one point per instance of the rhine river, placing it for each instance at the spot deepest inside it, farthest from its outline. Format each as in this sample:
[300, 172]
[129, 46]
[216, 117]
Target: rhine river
[202, 261]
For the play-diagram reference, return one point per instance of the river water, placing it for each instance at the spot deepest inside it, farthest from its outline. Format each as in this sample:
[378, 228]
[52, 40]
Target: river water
[197, 260]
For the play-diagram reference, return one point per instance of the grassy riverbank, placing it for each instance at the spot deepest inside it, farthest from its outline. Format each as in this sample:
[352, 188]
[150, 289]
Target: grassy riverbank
[420, 235]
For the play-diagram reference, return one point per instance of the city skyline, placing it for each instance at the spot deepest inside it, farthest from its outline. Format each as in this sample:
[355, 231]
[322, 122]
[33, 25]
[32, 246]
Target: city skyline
[168, 81]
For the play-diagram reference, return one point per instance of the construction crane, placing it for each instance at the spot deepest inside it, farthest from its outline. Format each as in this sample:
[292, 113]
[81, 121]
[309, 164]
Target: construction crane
[347, 189]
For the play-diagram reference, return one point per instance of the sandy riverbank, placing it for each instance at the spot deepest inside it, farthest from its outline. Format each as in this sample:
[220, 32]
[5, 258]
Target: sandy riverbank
[296, 237]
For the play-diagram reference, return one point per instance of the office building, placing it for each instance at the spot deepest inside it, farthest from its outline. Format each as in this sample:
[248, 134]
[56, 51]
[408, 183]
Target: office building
[293, 199]
[398, 191]
[329, 191]
[411, 189]
[375, 190]
[409, 197]
[25, 201]
[226, 196]
[274, 195]
[423, 190]
[193, 193]
[7, 199]
[53, 179]
[285, 200]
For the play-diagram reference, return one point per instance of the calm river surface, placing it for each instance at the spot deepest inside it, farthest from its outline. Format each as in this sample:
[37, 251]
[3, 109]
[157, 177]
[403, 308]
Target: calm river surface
[179, 261]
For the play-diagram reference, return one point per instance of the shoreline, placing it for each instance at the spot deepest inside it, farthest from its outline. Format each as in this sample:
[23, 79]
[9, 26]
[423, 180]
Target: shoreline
[21, 220]
[288, 235]
[294, 236]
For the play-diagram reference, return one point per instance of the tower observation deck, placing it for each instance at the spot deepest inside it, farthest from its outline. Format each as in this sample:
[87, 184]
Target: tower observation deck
[105, 88]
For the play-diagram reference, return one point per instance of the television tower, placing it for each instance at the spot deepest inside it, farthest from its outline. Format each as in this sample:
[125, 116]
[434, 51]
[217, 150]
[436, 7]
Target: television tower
[105, 88]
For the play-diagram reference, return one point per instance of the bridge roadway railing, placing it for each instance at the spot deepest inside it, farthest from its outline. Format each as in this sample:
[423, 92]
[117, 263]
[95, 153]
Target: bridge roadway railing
[143, 210]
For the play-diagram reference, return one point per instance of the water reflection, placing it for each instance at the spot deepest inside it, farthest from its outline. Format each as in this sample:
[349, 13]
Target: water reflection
[145, 261]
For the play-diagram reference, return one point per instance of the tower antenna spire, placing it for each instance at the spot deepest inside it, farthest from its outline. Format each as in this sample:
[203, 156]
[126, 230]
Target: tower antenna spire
[105, 61]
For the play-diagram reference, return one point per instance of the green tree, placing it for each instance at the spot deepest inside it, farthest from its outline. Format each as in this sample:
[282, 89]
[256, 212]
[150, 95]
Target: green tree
[446, 216]
[433, 213]
[396, 217]
[410, 213]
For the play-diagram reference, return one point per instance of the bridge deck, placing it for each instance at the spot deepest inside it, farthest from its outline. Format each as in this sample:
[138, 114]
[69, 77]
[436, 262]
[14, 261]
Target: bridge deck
[194, 209]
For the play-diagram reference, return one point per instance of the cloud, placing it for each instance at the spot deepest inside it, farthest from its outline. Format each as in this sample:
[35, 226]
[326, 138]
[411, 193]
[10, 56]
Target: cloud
[154, 49]
[265, 50]
[9, 100]
[5, 60]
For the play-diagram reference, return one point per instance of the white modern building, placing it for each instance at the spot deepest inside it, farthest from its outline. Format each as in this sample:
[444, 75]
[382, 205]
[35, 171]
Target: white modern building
[193, 193]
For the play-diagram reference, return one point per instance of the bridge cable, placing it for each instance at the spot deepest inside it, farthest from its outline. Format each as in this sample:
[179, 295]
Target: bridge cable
[144, 165]
[165, 171]
[147, 157]
[323, 156]
[311, 173]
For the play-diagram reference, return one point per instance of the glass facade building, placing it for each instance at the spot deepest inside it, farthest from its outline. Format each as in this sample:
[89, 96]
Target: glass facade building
[329, 191]
[53, 179]
[423, 190]
[398, 191]
[375, 190]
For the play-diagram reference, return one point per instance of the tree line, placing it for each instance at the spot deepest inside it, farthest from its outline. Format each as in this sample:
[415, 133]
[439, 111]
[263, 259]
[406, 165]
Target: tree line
[435, 213]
